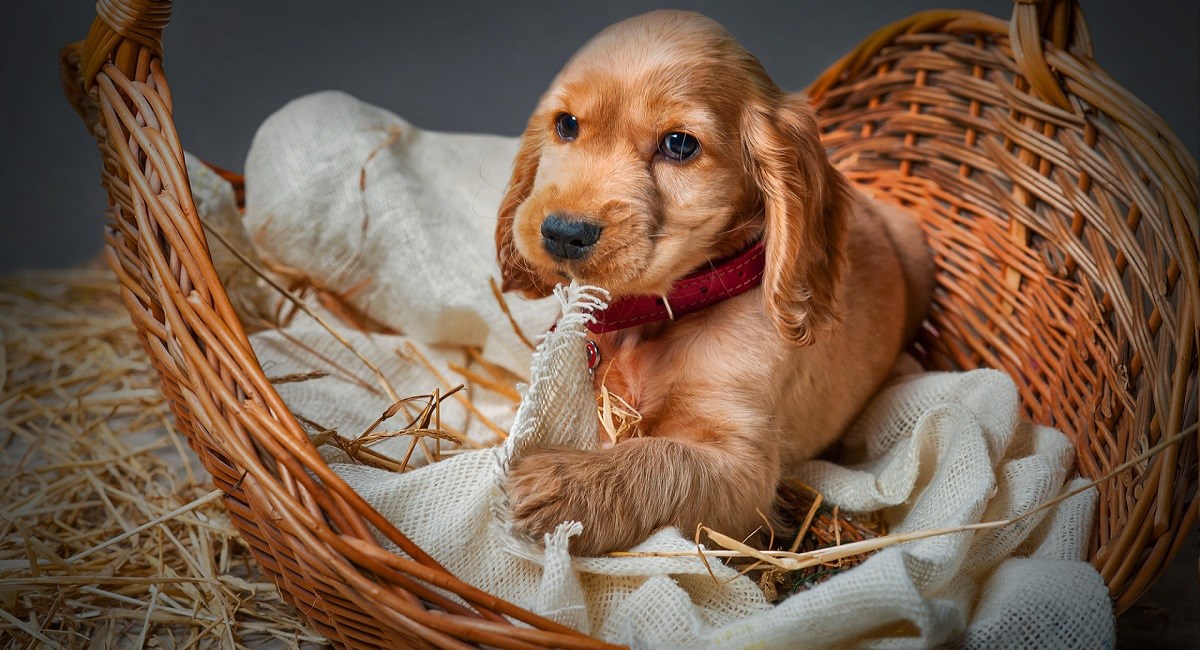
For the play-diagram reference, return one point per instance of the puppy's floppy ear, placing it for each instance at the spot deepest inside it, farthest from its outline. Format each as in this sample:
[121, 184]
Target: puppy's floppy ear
[515, 274]
[806, 201]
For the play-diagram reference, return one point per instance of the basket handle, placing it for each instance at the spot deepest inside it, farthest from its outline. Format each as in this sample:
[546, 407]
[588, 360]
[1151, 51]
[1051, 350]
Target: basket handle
[1058, 21]
[126, 33]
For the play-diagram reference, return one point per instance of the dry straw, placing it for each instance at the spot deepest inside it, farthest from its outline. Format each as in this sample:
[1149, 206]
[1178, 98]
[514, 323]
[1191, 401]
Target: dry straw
[109, 537]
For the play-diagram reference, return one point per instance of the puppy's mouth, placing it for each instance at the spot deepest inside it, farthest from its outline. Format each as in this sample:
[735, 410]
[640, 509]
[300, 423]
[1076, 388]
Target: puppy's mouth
[618, 271]
[574, 270]
[610, 251]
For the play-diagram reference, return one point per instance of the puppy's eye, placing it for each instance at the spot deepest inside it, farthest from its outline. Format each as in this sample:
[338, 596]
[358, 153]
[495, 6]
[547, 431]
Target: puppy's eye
[567, 126]
[678, 146]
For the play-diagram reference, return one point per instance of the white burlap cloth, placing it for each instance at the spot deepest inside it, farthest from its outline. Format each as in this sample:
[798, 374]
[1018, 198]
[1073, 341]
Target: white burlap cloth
[358, 199]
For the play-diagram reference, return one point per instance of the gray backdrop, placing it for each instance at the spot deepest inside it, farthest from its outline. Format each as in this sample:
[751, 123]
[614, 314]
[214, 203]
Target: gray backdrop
[463, 66]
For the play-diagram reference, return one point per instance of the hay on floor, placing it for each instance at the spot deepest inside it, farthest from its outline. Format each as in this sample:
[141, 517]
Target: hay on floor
[89, 458]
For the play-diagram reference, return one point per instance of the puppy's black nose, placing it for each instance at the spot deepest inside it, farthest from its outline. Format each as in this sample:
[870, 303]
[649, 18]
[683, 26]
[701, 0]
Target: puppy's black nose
[568, 239]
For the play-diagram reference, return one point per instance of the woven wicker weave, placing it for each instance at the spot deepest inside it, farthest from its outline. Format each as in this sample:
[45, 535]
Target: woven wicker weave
[1063, 214]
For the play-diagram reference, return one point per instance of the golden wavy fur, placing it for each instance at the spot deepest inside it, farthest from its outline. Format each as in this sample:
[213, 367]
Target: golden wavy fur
[733, 395]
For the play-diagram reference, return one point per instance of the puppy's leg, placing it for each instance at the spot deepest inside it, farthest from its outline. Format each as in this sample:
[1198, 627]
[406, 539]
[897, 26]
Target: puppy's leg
[624, 493]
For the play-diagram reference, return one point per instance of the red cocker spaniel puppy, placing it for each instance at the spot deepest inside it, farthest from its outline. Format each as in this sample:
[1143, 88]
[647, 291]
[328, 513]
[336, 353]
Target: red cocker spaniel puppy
[664, 162]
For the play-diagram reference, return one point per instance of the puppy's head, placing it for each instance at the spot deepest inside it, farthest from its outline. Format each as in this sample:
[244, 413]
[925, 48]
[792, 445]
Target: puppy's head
[661, 147]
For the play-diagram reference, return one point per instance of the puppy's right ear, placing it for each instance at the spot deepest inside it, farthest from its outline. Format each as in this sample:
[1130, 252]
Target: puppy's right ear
[515, 274]
[806, 202]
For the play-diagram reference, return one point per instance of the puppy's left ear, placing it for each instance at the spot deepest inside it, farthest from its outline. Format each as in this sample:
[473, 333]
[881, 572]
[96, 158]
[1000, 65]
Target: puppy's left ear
[806, 202]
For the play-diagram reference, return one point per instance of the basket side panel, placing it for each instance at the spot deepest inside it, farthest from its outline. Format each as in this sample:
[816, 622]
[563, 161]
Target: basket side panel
[1063, 251]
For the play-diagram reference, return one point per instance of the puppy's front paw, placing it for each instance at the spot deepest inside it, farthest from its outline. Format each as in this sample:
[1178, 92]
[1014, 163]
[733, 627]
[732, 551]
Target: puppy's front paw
[549, 487]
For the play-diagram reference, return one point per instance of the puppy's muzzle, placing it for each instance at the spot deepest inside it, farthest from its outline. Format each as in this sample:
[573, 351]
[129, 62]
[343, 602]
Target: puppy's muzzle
[567, 237]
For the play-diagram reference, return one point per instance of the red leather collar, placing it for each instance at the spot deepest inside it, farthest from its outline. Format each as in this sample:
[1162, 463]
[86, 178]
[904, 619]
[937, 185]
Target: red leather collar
[701, 289]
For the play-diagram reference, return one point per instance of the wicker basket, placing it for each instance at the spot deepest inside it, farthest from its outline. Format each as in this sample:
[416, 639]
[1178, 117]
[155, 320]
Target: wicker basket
[1063, 213]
